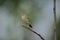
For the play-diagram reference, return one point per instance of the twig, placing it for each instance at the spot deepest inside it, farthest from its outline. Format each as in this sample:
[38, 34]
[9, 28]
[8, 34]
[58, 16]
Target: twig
[54, 9]
[33, 32]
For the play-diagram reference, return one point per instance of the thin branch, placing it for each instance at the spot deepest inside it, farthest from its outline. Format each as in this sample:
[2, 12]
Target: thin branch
[54, 9]
[33, 32]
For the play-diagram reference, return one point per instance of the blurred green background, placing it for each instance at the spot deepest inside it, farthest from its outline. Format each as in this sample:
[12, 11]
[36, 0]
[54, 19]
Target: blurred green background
[40, 13]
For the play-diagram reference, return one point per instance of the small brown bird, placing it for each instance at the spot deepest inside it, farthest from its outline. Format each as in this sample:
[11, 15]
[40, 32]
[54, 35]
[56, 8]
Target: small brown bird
[26, 20]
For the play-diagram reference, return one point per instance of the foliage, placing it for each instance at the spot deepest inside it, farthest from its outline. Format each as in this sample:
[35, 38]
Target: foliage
[58, 30]
[1, 2]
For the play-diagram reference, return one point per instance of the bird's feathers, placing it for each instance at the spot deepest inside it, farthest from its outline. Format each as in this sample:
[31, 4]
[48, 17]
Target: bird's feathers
[26, 20]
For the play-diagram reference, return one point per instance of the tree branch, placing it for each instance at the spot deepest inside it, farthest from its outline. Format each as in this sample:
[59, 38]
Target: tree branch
[54, 9]
[33, 32]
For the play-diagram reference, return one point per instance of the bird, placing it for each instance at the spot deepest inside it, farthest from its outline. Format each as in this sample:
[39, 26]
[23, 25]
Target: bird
[26, 20]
